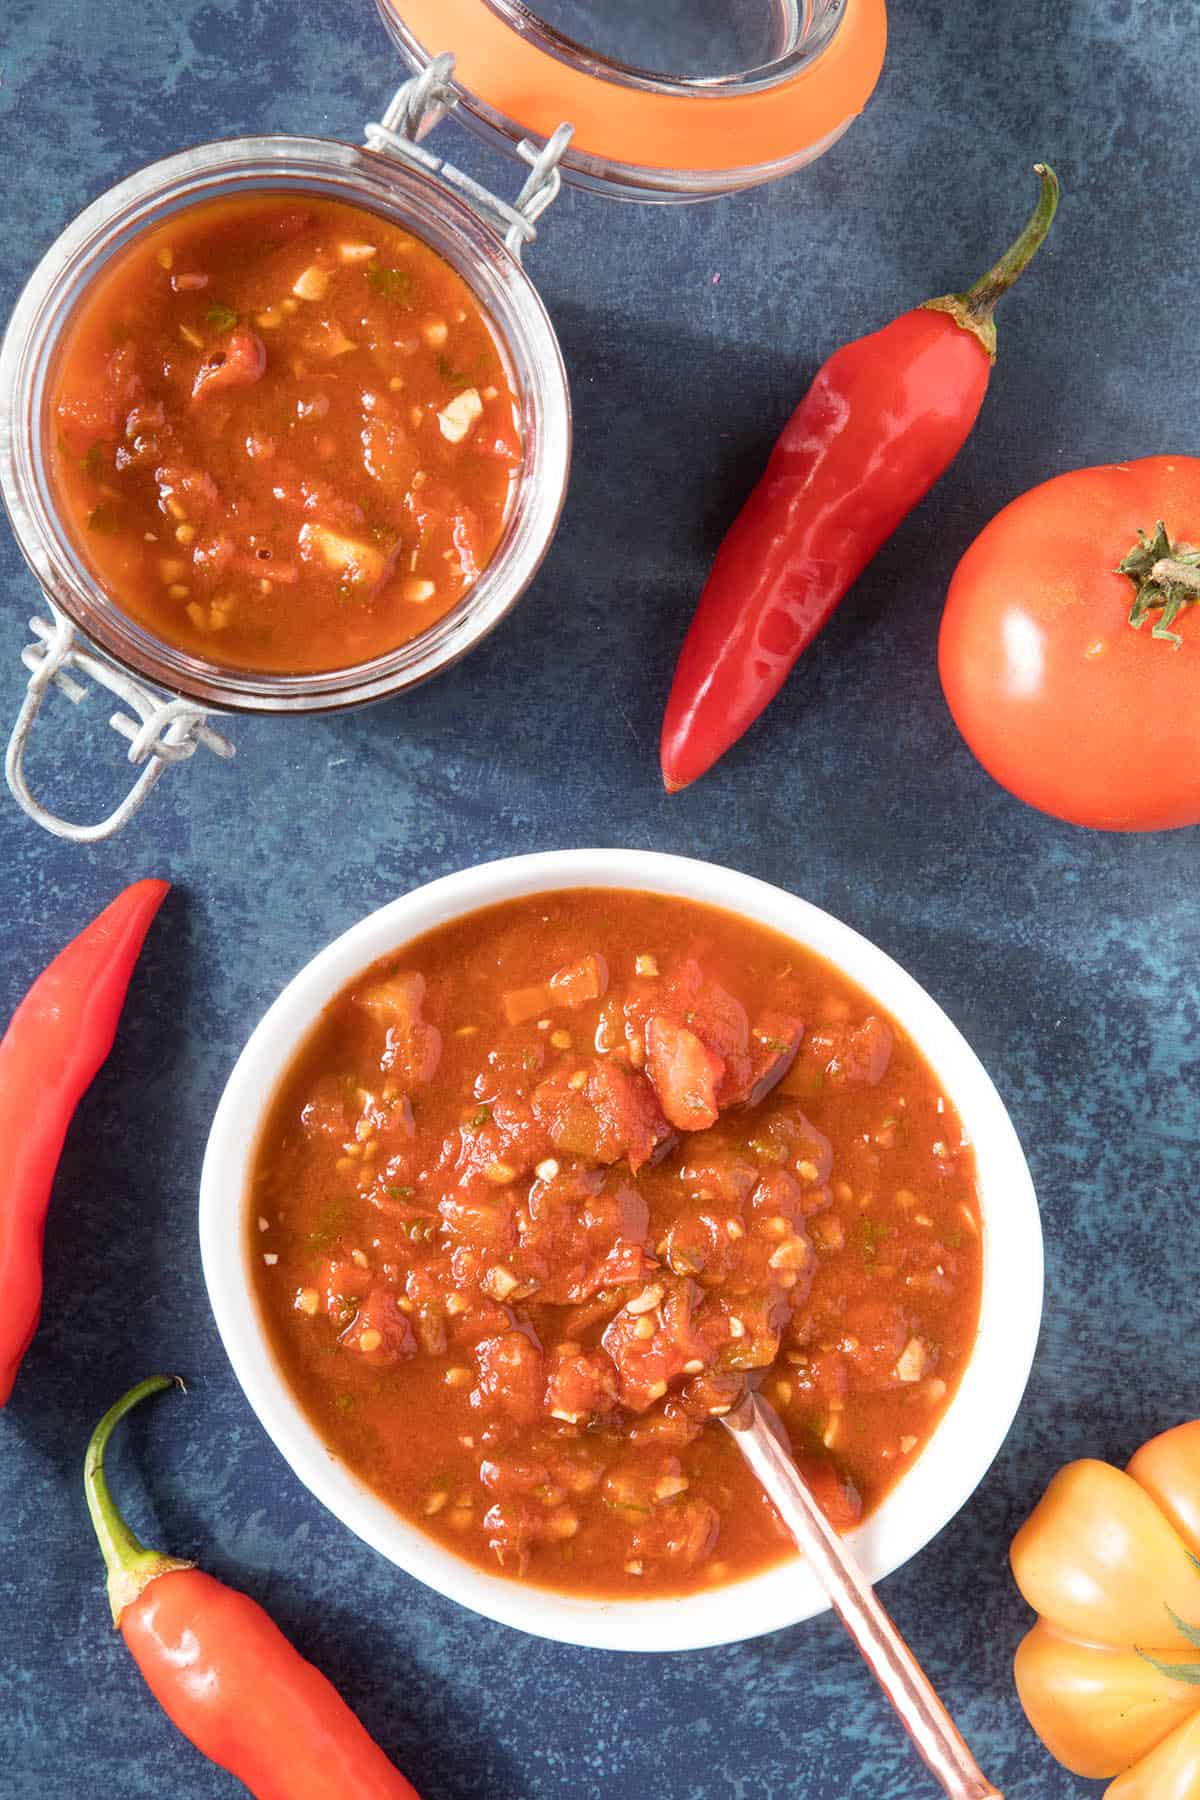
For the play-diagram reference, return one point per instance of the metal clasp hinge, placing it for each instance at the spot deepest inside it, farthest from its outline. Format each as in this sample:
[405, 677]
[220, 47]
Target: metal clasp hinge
[162, 732]
[419, 105]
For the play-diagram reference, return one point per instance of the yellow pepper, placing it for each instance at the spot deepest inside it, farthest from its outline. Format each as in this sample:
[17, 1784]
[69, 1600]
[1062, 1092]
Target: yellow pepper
[1110, 1675]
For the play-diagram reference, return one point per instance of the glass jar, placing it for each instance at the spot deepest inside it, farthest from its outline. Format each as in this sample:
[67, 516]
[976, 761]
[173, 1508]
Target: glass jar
[640, 135]
[169, 695]
[637, 135]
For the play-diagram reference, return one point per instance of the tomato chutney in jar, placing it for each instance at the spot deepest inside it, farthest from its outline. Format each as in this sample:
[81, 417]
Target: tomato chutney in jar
[284, 433]
[284, 428]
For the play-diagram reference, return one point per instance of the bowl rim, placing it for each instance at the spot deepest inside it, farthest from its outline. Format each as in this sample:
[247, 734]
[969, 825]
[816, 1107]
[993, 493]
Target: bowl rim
[941, 1479]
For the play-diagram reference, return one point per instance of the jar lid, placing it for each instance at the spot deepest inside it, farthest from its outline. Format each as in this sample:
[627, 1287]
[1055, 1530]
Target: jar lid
[641, 135]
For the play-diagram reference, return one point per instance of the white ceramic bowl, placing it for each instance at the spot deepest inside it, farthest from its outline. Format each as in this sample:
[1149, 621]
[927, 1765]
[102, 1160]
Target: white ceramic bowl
[941, 1479]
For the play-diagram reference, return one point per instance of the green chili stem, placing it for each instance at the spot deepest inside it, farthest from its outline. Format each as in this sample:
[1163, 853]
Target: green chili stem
[973, 309]
[131, 1567]
[981, 298]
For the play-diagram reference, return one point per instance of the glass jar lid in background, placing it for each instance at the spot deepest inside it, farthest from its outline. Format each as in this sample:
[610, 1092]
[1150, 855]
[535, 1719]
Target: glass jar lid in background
[808, 67]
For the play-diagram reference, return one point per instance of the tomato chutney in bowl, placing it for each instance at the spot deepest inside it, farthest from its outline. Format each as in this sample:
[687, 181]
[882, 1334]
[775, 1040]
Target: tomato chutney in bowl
[521, 1181]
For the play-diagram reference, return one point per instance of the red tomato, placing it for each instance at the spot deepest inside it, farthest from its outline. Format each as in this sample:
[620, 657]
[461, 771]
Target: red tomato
[1059, 697]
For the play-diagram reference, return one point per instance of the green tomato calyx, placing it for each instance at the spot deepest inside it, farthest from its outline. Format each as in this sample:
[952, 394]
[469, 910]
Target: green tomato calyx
[1165, 577]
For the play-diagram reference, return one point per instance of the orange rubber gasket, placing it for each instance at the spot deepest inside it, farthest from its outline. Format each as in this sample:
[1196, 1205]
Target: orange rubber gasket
[709, 130]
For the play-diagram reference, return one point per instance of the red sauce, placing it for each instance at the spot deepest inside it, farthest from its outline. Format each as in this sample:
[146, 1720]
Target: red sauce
[284, 433]
[543, 1191]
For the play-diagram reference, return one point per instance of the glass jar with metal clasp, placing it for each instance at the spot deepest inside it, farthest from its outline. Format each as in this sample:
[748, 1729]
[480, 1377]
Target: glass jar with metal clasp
[174, 701]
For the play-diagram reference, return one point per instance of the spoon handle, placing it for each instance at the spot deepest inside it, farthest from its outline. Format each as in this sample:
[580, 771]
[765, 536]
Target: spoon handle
[893, 1664]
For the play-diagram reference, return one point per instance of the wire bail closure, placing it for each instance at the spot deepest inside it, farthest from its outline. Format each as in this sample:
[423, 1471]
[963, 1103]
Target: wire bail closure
[162, 732]
[419, 105]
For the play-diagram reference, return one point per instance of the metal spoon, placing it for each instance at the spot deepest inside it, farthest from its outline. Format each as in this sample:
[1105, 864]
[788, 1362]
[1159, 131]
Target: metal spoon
[761, 1438]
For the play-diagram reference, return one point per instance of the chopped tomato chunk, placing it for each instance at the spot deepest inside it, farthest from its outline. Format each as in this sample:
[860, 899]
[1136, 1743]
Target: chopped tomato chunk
[413, 1047]
[511, 1376]
[858, 1054]
[526, 1003]
[342, 1285]
[497, 1145]
[581, 1384]
[95, 405]
[241, 362]
[572, 986]
[582, 1234]
[486, 1220]
[580, 982]
[324, 1112]
[774, 1044]
[610, 1115]
[653, 1340]
[682, 1534]
[380, 1332]
[719, 1018]
[684, 1073]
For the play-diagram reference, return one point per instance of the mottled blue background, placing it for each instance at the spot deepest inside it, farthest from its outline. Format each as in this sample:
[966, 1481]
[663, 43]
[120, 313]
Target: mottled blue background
[1068, 959]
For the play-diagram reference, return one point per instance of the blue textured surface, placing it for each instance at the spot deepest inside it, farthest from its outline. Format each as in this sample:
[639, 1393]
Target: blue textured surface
[1068, 959]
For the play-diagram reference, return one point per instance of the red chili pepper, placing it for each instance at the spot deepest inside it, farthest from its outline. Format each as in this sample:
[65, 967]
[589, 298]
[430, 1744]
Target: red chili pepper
[882, 420]
[222, 1671]
[59, 1036]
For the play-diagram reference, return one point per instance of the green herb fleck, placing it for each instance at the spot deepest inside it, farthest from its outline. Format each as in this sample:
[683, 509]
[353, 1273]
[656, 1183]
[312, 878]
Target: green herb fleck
[627, 1507]
[393, 284]
[344, 1403]
[872, 1234]
[103, 518]
[329, 1226]
[95, 462]
[221, 318]
[954, 1240]
[400, 1193]
[478, 1119]
[449, 374]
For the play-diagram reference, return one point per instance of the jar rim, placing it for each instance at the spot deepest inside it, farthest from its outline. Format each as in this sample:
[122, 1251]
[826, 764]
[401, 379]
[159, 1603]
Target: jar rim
[532, 27]
[375, 181]
[640, 135]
